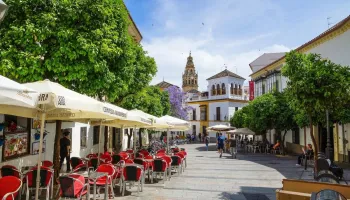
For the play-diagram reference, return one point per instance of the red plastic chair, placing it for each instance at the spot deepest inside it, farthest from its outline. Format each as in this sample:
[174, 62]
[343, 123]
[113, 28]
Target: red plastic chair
[144, 152]
[75, 161]
[159, 166]
[46, 175]
[160, 154]
[10, 186]
[47, 163]
[106, 158]
[176, 164]
[184, 156]
[161, 151]
[91, 155]
[132, 174]
[129, 161]
[10, 170]
[168, 161]
[124, 155]
[73, 186]
[101, 182]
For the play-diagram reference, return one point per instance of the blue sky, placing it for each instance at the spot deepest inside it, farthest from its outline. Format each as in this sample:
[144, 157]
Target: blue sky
[235, 32]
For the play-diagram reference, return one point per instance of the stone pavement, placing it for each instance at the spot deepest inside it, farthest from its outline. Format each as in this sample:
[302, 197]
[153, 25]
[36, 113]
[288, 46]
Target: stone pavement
[250, 177]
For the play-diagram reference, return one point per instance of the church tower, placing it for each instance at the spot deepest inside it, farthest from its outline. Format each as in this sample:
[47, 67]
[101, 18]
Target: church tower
[189, 77]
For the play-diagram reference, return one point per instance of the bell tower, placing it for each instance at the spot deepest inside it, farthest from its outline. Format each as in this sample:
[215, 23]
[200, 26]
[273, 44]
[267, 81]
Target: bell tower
[189, 77]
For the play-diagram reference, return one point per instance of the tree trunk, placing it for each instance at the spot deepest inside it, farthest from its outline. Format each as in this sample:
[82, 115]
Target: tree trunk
[314, 144]
[282, 142]
[105, 142]
[56, 151]
[129, 137]
[140, 138]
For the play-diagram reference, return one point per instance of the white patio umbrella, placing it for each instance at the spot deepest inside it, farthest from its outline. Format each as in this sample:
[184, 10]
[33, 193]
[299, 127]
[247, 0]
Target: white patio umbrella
[59, 103]
[242, 131]
[16, 99]
[220, 127]
[133, 119]
[3, 9]
[177, 125]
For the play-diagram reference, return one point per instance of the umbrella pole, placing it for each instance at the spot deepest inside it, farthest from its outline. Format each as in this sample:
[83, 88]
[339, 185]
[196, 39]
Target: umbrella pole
[99, 143]
[167, 140]
[134, 140]
[42, 127]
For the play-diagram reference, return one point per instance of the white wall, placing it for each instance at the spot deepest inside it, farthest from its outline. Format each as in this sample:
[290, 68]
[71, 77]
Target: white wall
[48, 155]
[223, 110]
[337, 49]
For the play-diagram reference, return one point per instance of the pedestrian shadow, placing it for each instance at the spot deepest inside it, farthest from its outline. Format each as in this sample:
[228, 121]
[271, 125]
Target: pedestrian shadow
[250, 193]
[211, 147]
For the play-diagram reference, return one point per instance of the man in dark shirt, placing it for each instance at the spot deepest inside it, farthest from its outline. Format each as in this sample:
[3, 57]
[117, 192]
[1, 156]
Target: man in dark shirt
[65, 150]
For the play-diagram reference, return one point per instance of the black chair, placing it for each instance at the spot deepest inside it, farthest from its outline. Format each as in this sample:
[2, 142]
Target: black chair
[116, 158]
[176, 163]
[72, 187]
[93, 163]
[159, 167]
[75, 161]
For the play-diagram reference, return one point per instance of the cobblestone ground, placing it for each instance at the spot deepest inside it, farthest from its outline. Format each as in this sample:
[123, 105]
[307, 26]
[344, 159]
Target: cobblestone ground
[249, 177]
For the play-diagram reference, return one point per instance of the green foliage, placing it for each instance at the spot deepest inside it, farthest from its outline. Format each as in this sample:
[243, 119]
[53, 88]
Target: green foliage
[150, 100]
[283, 113]
[240, 118]
[82, 44]
[316, 84]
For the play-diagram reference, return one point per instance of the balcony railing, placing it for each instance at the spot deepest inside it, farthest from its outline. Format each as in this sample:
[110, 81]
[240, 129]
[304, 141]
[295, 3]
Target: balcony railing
[224, 118]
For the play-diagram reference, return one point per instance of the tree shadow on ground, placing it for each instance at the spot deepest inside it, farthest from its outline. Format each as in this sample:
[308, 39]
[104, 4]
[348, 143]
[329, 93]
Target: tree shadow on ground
[250, 193]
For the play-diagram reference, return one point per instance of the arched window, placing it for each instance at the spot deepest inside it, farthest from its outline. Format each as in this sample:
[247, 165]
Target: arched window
[213, 91]
[231, 89]
[192, 81]
[223, 88]
[218, 91]
[239, 90]
[235, 91]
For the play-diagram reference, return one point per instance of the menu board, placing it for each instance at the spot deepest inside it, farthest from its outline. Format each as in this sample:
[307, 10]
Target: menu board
[15, 144]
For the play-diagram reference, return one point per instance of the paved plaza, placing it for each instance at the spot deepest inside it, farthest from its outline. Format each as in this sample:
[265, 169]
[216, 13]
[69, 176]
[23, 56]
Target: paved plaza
[250, 177]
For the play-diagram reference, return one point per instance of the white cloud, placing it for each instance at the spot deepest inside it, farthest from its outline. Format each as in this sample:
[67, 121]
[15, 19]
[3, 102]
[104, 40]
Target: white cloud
[213, 44]
[171, 56]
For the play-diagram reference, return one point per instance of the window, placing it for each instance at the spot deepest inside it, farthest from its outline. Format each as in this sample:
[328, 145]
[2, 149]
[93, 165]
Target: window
[194, 114]
[218, 114]
[203, 111]
[194, 129]
[213, 91]
[223, 88]
[231, 89]
[83, 137]
[218, 91]
[236, 108]
[96, 136]
[296, 136]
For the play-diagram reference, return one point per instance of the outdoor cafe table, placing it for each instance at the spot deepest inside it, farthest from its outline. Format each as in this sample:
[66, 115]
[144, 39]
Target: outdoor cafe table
[94, 176]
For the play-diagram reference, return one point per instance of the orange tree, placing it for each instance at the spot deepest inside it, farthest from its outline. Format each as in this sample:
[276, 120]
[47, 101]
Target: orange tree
[82, 44]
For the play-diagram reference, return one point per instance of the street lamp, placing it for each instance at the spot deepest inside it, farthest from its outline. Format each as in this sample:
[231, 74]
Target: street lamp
[3, 9]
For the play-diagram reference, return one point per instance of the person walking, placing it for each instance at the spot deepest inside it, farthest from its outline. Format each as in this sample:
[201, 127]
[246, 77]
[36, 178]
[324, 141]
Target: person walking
[220, 142]
[233, 147]
[207, 142]
[65, 150]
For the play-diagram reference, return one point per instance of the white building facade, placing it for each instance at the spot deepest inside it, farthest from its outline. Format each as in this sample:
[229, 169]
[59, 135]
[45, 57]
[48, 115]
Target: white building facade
[217, 105]
[333, 44]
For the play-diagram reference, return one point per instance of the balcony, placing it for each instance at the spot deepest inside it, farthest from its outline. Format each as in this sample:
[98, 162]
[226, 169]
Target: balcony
[223, 118]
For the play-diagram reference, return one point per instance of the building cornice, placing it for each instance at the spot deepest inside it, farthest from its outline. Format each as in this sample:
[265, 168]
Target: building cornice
[328, 35]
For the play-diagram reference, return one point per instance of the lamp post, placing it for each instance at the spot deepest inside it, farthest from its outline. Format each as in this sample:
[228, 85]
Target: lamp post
[3, 9]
